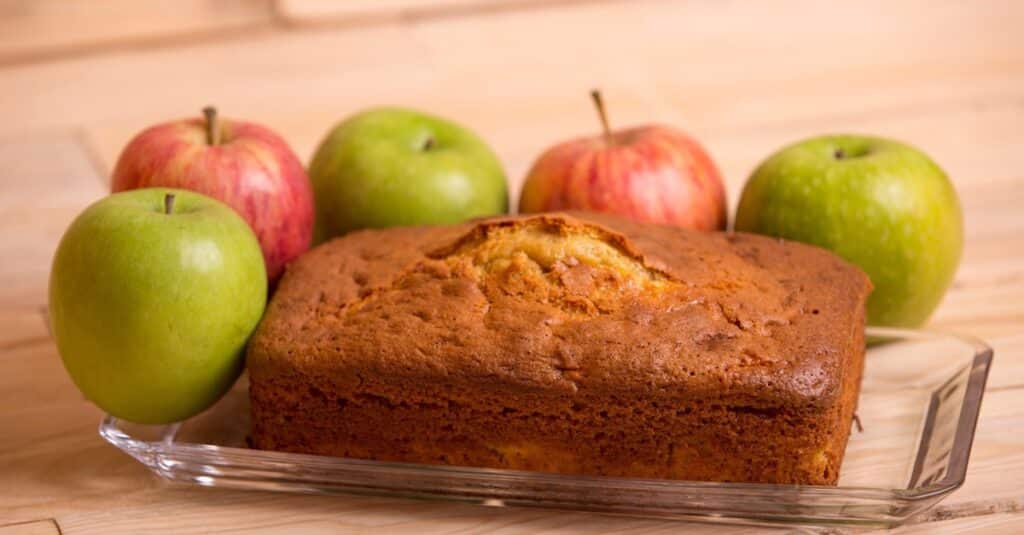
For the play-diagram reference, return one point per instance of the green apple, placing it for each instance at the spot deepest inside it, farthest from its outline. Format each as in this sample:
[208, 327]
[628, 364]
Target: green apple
[878, 203]
[392, 167]
[153, 295]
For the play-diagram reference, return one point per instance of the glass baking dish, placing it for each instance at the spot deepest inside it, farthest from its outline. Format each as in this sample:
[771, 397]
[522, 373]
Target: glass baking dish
[919, 405]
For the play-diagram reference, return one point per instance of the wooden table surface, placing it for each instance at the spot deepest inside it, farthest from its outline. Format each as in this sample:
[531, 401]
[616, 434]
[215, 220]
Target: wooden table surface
[78, 78]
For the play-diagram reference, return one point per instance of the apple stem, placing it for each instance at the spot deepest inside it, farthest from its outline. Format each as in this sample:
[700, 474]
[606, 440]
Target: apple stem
[599, 104]
[212, 126]
[168, 203]
[839, 154]
[429, 143]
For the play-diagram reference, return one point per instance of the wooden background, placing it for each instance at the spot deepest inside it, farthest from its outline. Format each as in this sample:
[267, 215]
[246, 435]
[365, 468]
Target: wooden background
[78, 78]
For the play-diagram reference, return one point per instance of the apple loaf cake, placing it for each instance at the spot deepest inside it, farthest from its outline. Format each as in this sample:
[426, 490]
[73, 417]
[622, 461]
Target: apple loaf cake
[568, 343]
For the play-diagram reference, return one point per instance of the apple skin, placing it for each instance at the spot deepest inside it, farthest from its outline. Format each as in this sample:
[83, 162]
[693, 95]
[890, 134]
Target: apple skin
[150, 311]
[880, 204]
[252, 170]
[654, 173]
[389, 167]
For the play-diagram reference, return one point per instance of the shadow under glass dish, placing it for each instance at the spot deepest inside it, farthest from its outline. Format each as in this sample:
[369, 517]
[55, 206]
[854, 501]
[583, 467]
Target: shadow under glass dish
[919, 404]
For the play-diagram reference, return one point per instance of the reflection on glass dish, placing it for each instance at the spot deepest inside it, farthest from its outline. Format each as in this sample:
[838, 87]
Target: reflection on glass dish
[919, 405]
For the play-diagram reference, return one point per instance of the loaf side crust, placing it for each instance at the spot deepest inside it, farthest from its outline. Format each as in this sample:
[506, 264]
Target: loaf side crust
[571, 343]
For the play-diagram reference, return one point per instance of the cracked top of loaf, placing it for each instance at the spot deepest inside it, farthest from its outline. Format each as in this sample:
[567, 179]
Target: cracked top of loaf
[569, 304]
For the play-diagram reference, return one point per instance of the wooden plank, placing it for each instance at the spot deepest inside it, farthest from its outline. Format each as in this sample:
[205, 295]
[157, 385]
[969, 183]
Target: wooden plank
[22, 326]
[1007, 341]
[39, 527]
[972, 144]
[39, 29]
[996, 465]
[46, 182]
[990, 308]
[432, 68]
[261, 513]
[689, 64]
[982, 299]
[263, 77]
[990, 524]
[987, 295]
[50, 449]
[325, 11]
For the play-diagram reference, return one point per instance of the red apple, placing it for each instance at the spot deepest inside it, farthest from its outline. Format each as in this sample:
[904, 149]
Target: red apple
[651, 173]
[245, 165]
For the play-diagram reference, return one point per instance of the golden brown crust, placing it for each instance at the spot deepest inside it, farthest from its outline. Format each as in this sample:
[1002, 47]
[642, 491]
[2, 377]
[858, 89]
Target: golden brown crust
[512, 341]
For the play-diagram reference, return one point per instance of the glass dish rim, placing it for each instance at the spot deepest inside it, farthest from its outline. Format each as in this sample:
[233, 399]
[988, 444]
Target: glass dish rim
[955, 474]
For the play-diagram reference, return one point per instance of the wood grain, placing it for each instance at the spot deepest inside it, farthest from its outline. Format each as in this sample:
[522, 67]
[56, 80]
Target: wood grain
[263, 78]
[997, 459]
[46, 182]
[326, 11]
[39, 527]
[746, 78]
[21, 326]
[990, 524]
[970, 124]
[260, 513]
[41, 29]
